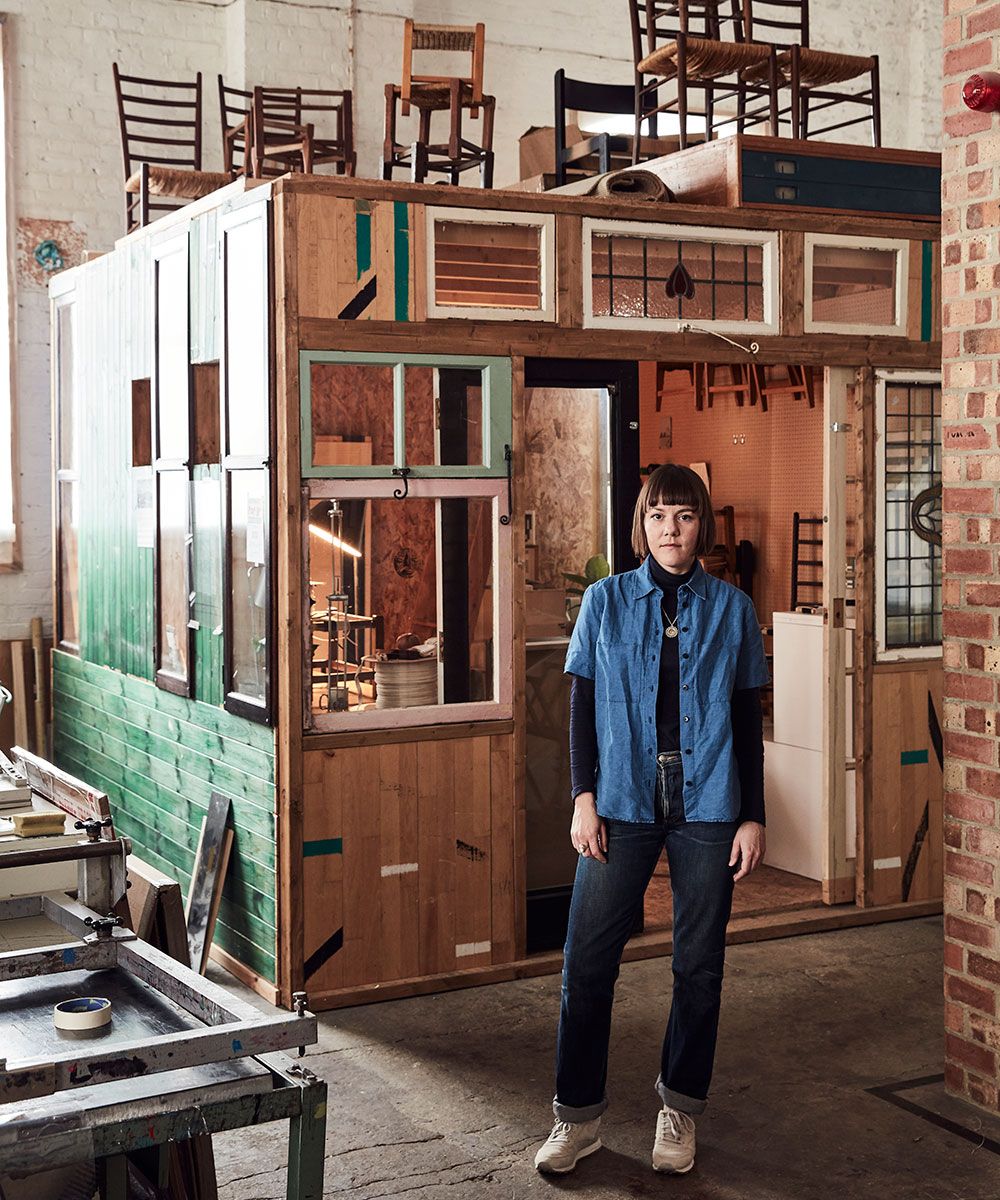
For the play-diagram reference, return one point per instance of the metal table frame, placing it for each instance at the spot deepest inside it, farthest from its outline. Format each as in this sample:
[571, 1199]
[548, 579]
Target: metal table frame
[104, 1121]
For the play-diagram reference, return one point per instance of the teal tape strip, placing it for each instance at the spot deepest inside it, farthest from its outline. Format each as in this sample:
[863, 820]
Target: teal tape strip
[322, 846]
[401, 255]
[363, 241]
[913, 756]
[926, 291]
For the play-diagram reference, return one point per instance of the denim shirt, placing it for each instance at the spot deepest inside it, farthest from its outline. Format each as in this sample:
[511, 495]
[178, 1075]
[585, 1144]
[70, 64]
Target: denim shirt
[616, 642]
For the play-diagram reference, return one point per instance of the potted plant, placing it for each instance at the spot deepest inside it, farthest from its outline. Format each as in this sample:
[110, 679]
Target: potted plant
[597, 568]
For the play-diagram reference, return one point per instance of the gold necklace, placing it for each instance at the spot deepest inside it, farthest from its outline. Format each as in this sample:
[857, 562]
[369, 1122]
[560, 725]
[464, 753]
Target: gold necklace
[671, 627]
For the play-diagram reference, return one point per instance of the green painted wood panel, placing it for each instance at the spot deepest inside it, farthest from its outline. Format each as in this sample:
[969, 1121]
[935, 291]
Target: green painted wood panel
[159, 757]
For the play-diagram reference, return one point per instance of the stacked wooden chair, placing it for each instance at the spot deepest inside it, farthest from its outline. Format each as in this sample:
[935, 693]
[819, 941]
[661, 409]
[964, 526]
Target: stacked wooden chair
[268, 131]
[685, 47]
[457, 95]
[814, 76]
[160, 123]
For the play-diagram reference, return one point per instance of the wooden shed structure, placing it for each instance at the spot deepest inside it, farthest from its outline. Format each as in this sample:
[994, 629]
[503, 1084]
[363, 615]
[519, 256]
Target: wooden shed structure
[327, 449]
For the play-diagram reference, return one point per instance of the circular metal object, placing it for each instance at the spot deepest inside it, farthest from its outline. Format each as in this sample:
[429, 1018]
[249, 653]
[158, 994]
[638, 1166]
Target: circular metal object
[925, 515]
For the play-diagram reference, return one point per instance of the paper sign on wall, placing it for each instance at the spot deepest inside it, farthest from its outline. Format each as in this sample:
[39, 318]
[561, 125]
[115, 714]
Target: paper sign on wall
[144, 527]
[255, 529]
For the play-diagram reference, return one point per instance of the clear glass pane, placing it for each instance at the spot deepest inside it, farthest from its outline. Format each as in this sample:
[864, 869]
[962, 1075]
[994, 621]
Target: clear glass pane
[477, 265]
[172, 356]
[386, 578]
[352, 414]
[69, 567]
[853, 286]
[66, 407]
[172, 572]
[248, 564]
[246, 339]
[444, 416]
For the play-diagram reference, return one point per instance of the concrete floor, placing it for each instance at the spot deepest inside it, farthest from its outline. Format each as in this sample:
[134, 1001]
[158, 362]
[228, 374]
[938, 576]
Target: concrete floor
[449, 1095]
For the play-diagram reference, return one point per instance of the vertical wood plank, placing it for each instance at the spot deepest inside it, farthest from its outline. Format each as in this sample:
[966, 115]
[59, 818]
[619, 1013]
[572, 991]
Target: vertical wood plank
[791, 259]
[286, 224]
[569, 271]
[473, 917]
[436, 801]
[864, 632]
[515, 778]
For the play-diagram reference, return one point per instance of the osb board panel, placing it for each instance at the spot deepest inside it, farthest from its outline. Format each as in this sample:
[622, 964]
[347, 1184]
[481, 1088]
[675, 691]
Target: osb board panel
[406, 858]
[354, 259]
[562, 465]
[906, 820]
[776, 471]
[348, 402]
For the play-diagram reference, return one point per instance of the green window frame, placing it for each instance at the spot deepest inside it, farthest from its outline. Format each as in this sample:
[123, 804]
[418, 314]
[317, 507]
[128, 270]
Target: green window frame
[496, 392]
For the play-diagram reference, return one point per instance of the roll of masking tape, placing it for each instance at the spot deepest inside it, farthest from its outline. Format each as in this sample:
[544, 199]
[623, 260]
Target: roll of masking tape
[86, 1012]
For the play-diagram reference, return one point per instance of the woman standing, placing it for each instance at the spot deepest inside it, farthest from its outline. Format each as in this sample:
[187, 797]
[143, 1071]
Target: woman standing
[666, 749]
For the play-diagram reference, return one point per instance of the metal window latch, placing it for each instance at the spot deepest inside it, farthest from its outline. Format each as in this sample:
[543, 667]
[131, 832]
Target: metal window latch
[508, 457]
[840, 427]
[687, 327]
[404, 474]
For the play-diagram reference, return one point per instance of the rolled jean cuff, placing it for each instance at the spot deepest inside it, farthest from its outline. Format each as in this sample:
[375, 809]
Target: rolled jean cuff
[576, 1116]
[677, 1100]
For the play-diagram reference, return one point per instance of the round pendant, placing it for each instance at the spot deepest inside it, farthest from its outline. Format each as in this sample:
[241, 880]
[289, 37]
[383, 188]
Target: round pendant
[671, 631]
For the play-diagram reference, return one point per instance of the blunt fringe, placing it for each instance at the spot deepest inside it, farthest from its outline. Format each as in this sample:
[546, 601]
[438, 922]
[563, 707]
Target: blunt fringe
[674, 484]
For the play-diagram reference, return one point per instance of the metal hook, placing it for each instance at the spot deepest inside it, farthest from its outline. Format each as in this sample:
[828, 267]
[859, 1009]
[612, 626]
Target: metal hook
[508, 455]
[404, 473]
[687, 327]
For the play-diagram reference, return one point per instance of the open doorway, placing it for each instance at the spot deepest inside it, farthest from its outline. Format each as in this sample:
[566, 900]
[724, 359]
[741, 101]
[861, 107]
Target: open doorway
[755, 434]
[581, 455]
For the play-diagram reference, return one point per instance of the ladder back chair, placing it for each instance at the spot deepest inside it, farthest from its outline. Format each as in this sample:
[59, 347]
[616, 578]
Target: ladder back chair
[682, 44]
[809, 73]
[283, 134]
[160, 124]
[455, 94]
[235, 107]
[579, 96]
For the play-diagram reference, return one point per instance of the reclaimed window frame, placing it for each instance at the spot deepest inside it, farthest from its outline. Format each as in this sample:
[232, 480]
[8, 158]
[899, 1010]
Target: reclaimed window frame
[497, 383]
[883, 652]
[64, 475]
[256, 342]
[770, 275]
[498, 709]
[546, 225]
[176, 242]
[899, 246]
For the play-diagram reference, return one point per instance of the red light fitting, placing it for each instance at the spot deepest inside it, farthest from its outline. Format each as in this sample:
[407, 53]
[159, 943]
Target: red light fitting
[982, 92]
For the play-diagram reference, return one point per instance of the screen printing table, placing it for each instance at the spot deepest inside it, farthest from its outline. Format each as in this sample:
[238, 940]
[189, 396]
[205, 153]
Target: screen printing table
[180, 1057]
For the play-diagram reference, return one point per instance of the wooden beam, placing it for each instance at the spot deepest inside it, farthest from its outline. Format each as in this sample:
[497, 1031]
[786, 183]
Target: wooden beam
[603, 208]
[535, 339]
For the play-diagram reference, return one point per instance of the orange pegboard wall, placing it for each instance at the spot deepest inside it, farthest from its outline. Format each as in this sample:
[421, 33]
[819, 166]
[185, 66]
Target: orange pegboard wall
[774, 468]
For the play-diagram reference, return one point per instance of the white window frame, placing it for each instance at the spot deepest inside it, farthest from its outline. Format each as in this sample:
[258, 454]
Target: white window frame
[768, 239]
[901, 248]
[882, 652]
[502, 708]
[546, 225]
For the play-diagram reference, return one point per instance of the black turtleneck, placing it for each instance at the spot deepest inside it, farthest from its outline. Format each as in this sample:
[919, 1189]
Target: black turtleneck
[747, 719]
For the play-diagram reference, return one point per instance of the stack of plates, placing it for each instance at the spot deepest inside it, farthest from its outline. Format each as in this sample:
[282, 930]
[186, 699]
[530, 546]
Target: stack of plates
[405, 682]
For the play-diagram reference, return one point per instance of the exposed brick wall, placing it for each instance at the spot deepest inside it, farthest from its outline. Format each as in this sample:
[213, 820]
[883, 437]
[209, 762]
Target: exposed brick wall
[971, 291]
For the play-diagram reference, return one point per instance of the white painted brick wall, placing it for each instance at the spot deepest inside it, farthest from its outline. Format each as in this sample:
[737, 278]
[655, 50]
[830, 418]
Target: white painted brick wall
[66, 162]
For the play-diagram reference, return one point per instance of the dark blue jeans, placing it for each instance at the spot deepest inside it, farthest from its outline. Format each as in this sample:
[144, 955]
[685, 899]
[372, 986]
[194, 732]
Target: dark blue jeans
[606, 901]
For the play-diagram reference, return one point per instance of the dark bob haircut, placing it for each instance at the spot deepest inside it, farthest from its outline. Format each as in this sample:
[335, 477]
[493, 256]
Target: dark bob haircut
[674, 484]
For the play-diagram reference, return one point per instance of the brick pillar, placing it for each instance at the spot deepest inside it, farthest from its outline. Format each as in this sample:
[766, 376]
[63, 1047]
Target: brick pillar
[971, 469]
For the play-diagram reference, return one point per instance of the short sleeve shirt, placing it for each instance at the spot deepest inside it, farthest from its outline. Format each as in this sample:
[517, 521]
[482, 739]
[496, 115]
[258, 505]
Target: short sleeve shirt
[616, 642]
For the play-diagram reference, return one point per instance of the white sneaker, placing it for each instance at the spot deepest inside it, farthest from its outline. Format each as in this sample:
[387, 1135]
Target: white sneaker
[673, 1150]
[566, 1145]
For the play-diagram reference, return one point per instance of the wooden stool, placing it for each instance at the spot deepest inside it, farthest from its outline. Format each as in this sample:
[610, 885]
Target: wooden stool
[454, 94]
